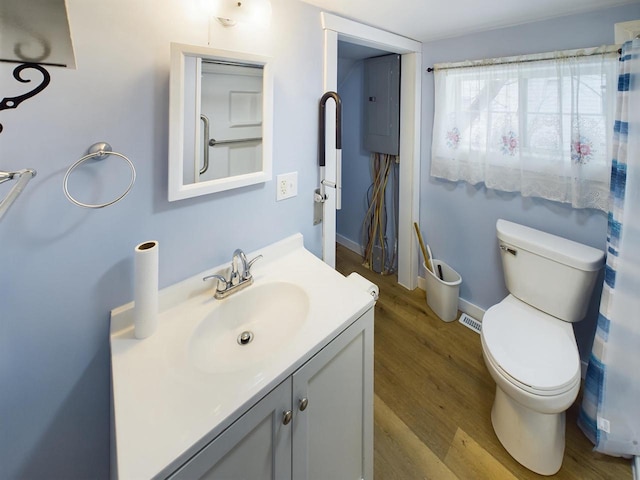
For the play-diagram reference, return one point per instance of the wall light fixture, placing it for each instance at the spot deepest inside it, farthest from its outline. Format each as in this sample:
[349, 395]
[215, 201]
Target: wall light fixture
[231, 12]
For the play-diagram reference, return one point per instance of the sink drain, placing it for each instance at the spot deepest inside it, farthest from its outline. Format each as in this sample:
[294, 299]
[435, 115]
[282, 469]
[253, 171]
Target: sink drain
[245, 337]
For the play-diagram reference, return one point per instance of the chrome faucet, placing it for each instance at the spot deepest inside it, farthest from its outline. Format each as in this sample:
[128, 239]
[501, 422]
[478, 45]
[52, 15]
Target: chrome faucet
[238, 258]
[239, 278]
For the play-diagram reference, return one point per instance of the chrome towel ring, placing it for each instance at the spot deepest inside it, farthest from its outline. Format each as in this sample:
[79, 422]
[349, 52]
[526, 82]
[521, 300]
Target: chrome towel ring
[98, 151]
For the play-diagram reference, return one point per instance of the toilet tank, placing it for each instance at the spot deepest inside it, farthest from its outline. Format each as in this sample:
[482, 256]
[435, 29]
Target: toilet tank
[548, 272]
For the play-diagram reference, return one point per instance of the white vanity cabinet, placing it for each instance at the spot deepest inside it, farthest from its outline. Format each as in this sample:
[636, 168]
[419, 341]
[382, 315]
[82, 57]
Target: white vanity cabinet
[333, 435]
[317, 424]
[190, 401]
[256, 446]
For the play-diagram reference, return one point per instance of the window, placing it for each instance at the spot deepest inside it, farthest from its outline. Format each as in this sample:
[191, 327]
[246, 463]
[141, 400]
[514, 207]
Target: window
[539, 125]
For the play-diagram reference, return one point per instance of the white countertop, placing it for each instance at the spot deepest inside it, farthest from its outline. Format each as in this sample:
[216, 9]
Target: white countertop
[165, 408]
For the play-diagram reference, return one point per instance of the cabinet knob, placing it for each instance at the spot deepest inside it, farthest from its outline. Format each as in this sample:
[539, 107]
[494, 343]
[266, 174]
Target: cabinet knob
[287, 416]
[304, 403]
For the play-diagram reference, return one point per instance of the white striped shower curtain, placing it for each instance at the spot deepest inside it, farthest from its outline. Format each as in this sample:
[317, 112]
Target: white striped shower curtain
[610, 414]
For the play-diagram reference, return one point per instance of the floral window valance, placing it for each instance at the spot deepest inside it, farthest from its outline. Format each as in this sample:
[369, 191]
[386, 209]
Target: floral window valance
[540, 124]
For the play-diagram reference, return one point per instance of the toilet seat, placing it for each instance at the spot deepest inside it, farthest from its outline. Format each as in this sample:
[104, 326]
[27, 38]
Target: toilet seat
[531, 349]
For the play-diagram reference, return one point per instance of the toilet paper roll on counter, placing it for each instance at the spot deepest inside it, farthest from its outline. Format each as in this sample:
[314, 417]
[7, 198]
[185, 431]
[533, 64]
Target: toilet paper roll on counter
[145, 295]
[364, 284]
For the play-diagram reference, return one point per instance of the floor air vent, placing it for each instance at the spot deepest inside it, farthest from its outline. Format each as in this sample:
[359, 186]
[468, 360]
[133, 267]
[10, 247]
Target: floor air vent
[470, 322]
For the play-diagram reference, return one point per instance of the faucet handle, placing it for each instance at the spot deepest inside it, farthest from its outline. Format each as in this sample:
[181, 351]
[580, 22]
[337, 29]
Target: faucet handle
[247, 272]
[220, 278]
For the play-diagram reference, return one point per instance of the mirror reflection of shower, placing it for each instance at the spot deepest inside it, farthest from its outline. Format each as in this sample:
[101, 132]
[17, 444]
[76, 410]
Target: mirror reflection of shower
[231, 135]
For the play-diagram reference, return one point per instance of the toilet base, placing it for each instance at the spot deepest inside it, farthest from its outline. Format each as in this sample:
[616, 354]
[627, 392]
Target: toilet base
[536, 440]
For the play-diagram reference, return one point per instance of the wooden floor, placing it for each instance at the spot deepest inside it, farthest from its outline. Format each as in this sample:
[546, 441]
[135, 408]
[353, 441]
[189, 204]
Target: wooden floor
[433, 397]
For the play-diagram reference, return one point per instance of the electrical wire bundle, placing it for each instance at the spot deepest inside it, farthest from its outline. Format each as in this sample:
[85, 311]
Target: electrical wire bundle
[377, 255]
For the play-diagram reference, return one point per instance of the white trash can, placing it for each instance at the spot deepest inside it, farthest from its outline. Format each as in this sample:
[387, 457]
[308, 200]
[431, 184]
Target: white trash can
[442, 295]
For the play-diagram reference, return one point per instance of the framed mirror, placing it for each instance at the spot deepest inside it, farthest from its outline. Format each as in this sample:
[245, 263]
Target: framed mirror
[220, 120]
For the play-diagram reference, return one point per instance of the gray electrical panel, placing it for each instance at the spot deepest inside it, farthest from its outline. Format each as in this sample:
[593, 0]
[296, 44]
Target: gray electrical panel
[382, 104]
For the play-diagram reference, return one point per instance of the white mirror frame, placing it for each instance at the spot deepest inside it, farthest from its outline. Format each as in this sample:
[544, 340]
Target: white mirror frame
[178, 190]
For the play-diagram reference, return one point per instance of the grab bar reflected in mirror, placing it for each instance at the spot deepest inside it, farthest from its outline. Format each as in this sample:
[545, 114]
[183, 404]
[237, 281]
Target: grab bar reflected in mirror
[205, 137]
[213, 142]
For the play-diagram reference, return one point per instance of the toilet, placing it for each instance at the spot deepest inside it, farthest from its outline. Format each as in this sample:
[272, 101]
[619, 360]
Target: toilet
[528, 343]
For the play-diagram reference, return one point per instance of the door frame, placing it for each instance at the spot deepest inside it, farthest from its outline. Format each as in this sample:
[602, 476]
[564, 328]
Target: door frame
[338, 28]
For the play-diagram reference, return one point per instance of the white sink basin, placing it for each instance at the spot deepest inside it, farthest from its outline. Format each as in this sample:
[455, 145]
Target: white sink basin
[181, 387]
[273, 313]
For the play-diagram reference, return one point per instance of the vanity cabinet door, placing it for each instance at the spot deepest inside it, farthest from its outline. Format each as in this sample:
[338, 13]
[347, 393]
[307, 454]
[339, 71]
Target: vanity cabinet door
[333, 408]
[257, 446]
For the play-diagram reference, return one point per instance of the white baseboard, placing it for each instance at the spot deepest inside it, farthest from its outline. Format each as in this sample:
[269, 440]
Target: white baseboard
[471, 309]
[463, 305]
[348, 243]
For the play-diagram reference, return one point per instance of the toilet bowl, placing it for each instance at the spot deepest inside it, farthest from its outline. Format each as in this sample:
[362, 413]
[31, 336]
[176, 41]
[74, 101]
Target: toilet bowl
[528, 343]
[534, 360]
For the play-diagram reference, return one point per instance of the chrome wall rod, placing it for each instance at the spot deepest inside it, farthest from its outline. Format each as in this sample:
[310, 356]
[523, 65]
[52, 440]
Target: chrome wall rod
[23, 177]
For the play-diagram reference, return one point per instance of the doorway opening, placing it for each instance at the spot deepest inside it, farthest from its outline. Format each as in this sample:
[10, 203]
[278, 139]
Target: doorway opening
[369, 85]
[337, 29]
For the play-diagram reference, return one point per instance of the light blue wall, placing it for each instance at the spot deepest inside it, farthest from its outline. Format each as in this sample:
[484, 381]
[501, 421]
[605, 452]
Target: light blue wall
[63, 268]
[356, 177]
[459, 219]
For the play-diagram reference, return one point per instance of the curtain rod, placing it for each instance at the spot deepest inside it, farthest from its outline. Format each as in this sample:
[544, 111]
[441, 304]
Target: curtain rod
[516, 59]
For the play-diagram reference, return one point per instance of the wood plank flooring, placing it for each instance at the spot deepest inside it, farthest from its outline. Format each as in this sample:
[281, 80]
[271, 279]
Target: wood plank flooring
[433, 398]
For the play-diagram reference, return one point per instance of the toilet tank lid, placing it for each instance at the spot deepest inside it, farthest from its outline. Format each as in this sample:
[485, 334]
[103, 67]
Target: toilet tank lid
[553, 247]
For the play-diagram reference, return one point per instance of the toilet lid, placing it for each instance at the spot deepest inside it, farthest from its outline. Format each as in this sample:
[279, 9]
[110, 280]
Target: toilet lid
[534, 349]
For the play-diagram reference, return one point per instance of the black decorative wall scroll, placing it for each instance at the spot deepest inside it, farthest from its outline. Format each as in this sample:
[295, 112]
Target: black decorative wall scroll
[13, 102]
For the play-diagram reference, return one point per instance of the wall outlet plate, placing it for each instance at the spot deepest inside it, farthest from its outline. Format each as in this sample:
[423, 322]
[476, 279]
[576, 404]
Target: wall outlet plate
[286, 185]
